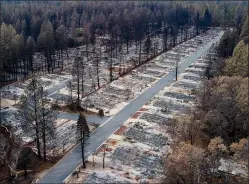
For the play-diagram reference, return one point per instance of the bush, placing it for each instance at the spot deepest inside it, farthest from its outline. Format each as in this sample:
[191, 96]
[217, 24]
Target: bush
[101, 112]
[72, 42]
[79, 33]
[55, 106]
[72, 107]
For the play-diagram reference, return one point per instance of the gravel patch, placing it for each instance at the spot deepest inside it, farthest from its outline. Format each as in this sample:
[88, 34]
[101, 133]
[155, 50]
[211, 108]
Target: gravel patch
[104, 177]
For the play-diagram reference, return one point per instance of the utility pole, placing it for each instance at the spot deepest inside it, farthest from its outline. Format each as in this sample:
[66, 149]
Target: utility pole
[154, 48]
[105, 146]
[93, 159]
[99, 61]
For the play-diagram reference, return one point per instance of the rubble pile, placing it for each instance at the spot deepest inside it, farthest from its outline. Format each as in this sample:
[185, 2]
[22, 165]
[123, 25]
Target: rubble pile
[195, 78]
[150, 165]
[180, 96]
[169, 105]
[185, 85]
[105, 177]
[155, 118]
[145, 137]
[147, 164]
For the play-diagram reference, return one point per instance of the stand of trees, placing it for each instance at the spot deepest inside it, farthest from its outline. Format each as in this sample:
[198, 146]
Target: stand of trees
[218, 126]
[37, 119]
[50, 28]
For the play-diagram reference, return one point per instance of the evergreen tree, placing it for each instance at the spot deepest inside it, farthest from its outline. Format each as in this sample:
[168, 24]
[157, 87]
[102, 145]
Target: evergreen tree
[165, 38]
[207, 19]
[30, 106]
[24, 28]
[83, 133]
[36, 120]
[197, 23]
[74, 24]
[245, 31]
[30, 49]
[47, 123]
[238, 63]
[147, 46]
[45, 42]
[61, 38]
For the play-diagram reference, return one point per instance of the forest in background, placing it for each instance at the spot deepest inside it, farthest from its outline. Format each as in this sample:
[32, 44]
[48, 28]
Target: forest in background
[50, 28]
[218, 127]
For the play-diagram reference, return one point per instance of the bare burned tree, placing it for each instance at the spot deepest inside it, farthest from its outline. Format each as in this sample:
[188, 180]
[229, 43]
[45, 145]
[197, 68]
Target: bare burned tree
[110, 53]
[176, 68]
[121, 60]
[29, 111]
[37, 121]
[165, 38]
[96, 62]
[147, 46]
[86, 35]
[70, 89]
[173, 33]
[82, 74]
[76, 72]
[48, 118]
[104, 154]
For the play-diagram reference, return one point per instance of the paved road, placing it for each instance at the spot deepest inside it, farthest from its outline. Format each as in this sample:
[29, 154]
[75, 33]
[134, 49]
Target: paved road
[90, 118]
[57, 87]
[73, 159]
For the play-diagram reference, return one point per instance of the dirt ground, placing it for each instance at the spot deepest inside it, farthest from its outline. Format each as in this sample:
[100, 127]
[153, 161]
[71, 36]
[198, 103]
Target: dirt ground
[6, 102]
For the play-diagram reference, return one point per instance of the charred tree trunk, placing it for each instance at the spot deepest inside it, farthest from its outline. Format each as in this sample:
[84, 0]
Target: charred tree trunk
[38, 142]
[82, 84]
[78, 90]
[37, 129]
[82, 141]
[44, 133]
[44, 144]
[176, 69]
[140, 49]
[104, 158]
[97, 67]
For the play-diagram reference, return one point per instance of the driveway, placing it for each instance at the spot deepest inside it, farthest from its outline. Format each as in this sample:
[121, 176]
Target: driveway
[89, 118]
